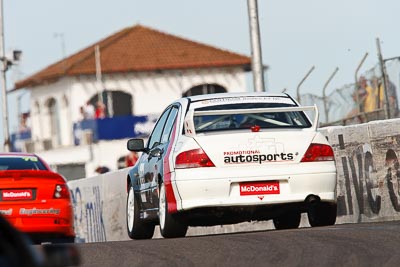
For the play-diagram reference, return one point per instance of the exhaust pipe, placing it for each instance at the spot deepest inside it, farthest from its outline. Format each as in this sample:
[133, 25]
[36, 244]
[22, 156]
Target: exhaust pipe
[312, 200]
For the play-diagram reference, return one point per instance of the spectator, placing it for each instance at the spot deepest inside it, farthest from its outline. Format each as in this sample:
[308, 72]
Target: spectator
[371, 95]
[102, 169]
[121, 162]
[359, 104]
[24, 123]
[82, 112]
[375, 83]
[131, 159]
[100, 110]
[88, 111]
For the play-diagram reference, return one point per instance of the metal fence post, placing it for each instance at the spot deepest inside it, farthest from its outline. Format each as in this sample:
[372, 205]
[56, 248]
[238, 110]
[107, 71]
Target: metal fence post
[356, 83]
[324, 94]
[384, 80]
[301, 82]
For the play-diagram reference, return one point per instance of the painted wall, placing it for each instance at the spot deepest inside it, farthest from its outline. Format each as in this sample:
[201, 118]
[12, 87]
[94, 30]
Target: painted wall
[99, 207]
[367, 160]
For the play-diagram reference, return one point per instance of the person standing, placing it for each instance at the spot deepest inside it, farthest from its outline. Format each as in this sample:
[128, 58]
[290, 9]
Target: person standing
[371, 95]
[131, 159]
[100, 110]
[88, 111]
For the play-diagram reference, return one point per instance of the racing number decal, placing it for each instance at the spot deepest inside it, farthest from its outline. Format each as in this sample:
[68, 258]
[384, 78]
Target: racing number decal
[33, 159]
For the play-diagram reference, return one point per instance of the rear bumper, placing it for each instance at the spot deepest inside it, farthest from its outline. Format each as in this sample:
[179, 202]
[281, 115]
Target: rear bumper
[224, 190]
[49, 225]
[50, 219]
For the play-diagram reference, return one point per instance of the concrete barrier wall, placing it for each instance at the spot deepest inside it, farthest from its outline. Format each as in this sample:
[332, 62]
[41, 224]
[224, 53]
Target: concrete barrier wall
[368, 170]
[99, 207]
[368, 187]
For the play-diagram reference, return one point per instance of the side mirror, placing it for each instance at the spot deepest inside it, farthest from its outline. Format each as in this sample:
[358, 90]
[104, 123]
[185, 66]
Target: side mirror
[136, 145]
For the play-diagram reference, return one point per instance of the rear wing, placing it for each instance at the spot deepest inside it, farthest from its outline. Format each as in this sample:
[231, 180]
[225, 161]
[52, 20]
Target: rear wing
[189, 127]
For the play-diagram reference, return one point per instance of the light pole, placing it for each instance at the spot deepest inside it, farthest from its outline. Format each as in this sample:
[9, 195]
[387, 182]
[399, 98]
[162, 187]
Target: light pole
[256, 56]
[6, 63]
[3, 83]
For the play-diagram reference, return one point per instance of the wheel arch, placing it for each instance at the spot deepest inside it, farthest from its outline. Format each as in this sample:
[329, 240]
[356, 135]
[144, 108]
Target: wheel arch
[128, 182]
[159, 180]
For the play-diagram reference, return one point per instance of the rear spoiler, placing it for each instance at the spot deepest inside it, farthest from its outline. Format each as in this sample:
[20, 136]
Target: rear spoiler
[189, 124]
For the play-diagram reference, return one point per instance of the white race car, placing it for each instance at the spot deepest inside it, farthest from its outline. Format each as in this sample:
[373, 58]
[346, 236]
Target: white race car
[228, 158]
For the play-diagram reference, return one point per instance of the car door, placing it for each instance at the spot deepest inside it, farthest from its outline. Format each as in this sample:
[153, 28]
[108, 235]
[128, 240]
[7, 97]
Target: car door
[148, 162]
[151, 163]
[157, 150]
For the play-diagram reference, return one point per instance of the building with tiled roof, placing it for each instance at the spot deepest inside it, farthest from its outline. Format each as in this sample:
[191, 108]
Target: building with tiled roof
[135, 72]
[138, 49]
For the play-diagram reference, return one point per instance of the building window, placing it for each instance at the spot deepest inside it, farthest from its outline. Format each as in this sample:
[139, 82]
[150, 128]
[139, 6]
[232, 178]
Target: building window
[37, 108]
[119, 102]
[53, 119]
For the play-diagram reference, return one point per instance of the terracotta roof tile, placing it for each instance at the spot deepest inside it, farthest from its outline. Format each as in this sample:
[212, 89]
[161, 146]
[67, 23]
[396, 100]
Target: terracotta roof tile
[138, 48]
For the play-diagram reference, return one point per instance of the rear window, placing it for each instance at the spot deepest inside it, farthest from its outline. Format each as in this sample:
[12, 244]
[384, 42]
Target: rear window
[21, 163]
[206, 123]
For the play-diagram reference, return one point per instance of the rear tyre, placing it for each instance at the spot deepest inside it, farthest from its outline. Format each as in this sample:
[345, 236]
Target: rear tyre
[170, 226]
[290, 220]
[137, 228]
[322, 214]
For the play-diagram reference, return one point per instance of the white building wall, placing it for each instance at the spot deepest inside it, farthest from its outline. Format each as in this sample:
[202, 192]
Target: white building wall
[151, 93]
[65, 121]
[40, 118]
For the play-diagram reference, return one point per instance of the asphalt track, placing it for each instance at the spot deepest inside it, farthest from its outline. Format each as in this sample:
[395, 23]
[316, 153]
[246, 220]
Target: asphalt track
[366, 244]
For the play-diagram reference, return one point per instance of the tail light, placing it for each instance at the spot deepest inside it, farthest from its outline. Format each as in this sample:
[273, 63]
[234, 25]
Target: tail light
[318, 152]
[193, 159]
[61, 191]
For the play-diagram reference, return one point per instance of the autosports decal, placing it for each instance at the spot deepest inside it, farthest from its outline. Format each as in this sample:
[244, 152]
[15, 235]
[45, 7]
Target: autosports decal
[6, 212]
[259, 188]
[35, 211]
[258, 143]
[255, 156]
[16, 194]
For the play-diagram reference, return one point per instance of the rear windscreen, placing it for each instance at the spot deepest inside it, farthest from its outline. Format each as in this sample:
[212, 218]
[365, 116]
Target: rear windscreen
[206, 123]
[21, 163]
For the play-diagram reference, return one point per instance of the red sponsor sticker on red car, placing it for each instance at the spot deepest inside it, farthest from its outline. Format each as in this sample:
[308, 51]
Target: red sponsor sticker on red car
[259, 188]
[17, 194]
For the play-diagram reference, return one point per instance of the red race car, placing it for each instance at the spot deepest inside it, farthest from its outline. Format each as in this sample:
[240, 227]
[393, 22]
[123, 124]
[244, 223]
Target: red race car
[35, 199]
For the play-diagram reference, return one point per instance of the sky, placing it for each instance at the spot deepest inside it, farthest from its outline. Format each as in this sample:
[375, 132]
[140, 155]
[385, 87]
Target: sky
[295, 35]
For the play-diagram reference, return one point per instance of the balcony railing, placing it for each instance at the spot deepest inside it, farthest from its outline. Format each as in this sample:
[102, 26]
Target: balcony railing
[90, 131]
[19, 140]
[120, 127]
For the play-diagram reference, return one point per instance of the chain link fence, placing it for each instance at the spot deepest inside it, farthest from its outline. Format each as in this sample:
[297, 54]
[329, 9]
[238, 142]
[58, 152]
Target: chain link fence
[341, 104]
